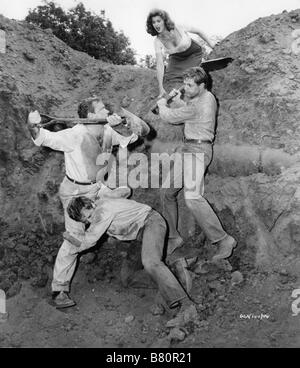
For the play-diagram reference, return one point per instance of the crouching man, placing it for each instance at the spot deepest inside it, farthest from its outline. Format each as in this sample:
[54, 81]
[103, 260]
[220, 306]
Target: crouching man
[125, 219]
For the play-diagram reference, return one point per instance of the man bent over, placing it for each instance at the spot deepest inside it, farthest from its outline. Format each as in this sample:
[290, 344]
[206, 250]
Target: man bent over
[125, 219]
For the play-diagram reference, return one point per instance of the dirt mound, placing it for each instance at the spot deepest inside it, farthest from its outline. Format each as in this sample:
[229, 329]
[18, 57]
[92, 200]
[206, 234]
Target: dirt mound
[259, 92]
[260, 111]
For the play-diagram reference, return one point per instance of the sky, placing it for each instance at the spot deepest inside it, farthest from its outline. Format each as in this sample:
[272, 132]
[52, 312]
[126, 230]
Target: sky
[213, 17]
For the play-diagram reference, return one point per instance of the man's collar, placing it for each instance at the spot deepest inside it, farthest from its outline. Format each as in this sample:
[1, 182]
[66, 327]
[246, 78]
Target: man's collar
[197, 97]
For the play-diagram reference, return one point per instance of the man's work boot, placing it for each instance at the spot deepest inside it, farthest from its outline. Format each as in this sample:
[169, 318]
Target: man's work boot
[226, 247]
[62, 300]
[174, 243]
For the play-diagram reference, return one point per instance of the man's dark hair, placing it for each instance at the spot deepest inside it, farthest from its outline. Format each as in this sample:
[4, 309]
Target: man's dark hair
[169, 24]
[198, 74]
[76, 205]
[86, 106]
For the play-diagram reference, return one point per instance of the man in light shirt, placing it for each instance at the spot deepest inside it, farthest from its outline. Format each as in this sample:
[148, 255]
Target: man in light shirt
[81, 146]
[125, 220]
[198, 114]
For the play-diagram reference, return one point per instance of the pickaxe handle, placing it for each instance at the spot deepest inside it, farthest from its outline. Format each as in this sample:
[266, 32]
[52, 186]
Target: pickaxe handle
[85, 121]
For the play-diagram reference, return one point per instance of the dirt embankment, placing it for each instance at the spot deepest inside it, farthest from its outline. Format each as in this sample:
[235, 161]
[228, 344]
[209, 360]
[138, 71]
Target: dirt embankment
[38, 71]
[253, 182]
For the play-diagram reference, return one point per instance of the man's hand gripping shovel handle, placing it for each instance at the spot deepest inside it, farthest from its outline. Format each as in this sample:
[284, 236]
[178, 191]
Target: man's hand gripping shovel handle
[169, 99]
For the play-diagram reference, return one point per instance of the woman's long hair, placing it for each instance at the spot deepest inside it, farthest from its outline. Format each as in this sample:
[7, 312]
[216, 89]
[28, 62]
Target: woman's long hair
[169, 24]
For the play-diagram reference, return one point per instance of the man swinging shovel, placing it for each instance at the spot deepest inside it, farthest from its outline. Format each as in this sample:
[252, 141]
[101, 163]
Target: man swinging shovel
[208, 66]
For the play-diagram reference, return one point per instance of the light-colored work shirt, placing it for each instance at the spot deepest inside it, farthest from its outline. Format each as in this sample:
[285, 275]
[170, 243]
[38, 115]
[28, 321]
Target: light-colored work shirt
[118, 217]
[198, 116]
[81, 149]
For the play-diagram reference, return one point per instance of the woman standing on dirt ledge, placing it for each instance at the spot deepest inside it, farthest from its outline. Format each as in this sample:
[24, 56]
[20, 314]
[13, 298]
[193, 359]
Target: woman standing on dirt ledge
[183, 51]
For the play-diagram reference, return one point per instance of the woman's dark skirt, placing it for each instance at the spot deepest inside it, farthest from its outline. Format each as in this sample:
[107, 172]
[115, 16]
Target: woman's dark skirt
[178, 63]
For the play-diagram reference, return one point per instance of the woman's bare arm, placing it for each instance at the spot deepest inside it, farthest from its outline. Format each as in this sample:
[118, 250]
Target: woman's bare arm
[160, 68]
[199, 33]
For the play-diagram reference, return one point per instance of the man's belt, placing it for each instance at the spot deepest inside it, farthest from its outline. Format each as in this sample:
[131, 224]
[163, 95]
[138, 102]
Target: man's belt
[186, 140]
[79, 182]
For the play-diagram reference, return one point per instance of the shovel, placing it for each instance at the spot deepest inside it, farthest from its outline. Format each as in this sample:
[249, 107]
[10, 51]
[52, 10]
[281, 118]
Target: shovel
[216, 64]
[208, 66]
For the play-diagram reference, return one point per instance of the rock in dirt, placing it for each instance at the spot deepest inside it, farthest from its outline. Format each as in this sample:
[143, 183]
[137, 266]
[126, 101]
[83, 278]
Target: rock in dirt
[236, 278]
[29, 56]
[157, 310]
[190, 314]
[129, 319]
[177, 334]
[284, 272]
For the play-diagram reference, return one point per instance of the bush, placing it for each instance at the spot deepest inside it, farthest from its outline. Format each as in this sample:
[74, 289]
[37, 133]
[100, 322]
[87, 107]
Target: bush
[84, 31]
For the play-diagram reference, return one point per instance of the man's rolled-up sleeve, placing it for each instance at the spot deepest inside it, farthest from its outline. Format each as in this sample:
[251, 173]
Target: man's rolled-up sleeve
[59, 141]
[178, 115]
